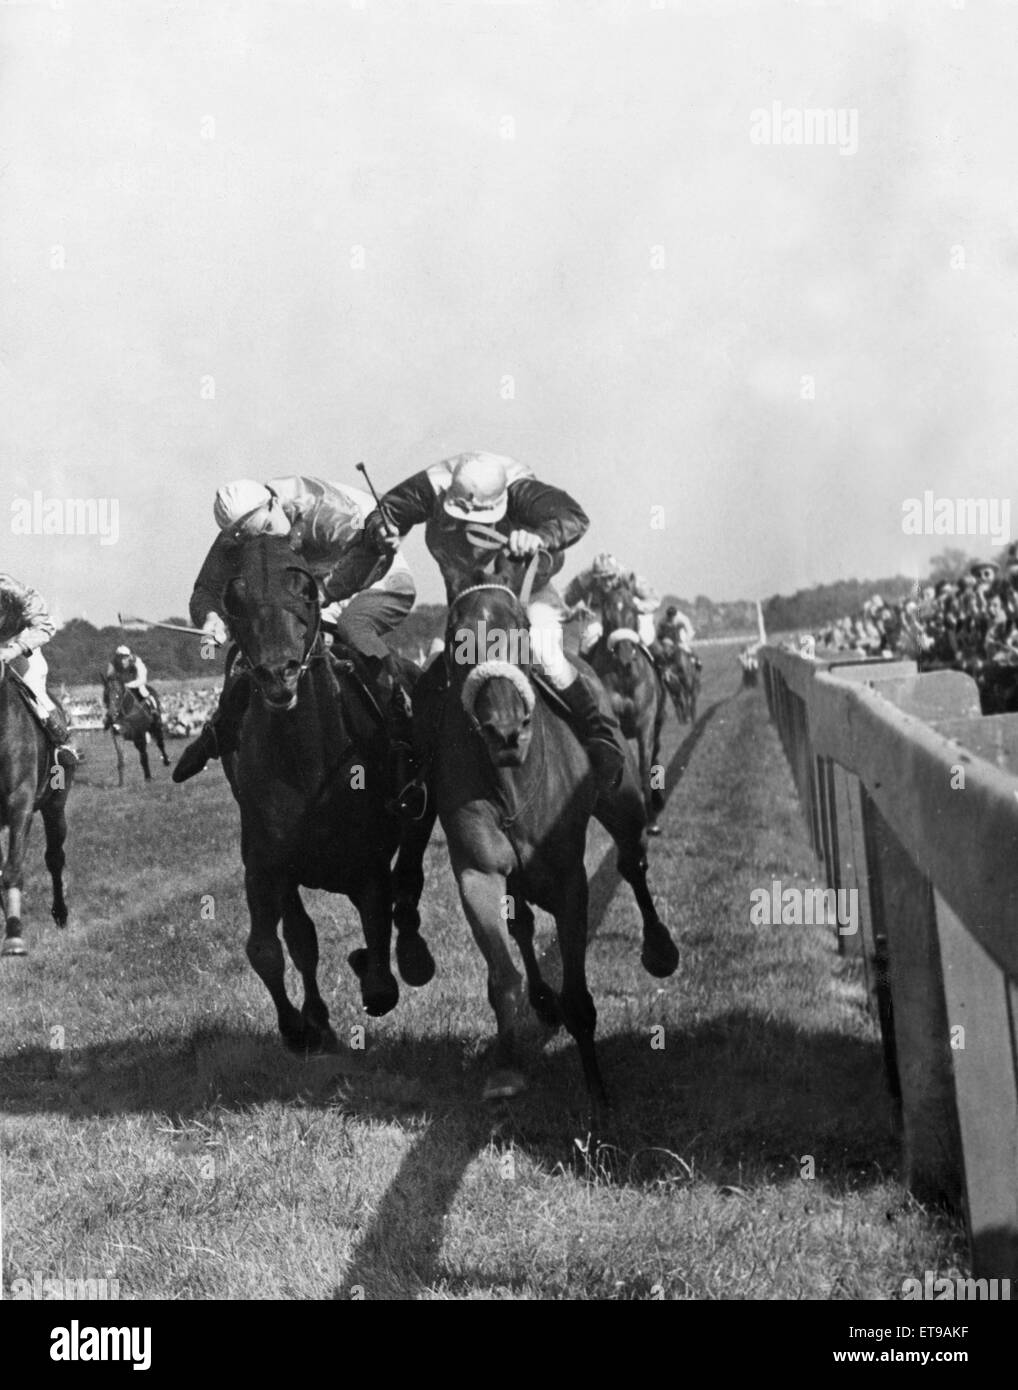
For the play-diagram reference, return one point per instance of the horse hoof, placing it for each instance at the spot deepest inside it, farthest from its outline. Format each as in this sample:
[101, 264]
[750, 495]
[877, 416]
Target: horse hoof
[661, 957]
[377, 998]
[503, 1084]
[415, 962]
[14, 946]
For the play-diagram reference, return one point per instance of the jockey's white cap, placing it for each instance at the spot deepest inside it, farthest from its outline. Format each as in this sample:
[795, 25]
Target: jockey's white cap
[122, 651]
[237, 501]
[606, 563]
[479, 490]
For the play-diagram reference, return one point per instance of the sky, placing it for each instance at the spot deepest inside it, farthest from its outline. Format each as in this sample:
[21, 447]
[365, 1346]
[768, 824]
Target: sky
[259, 237]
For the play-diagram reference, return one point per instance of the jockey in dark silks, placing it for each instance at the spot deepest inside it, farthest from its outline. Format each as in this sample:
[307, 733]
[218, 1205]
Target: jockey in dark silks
[25, 626]
[487, 491]
[367, 595]
[129, 669]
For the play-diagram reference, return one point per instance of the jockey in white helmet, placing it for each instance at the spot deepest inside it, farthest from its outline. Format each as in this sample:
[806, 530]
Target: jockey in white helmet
[25, 626]
[367, 595]
[461, 502]
[591, 585]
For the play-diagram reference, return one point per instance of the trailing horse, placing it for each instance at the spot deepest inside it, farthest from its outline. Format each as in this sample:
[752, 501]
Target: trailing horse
[637, 694]
[309, 775]
[130, 717]
[515, 793]
[682, 681]
[31, 779]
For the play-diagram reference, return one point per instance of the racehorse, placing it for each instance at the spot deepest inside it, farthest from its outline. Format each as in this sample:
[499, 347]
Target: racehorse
[515, 792]
[31, 780]
[130, 717]
[309, 775]
[682, 681]
[628, 673]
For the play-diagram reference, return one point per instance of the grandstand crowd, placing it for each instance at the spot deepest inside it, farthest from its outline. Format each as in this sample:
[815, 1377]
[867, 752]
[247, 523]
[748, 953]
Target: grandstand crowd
[184, 711]
[969, 623]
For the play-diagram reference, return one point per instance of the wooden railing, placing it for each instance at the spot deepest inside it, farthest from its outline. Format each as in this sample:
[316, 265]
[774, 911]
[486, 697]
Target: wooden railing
[911, 800]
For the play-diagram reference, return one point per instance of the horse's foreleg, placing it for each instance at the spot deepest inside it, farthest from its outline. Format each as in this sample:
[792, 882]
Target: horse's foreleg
[373, 900]
[302, 943]
[578, 1011]
[483, 897]
[543, 999]
[643, 748]
[142, 746]
[120, 757]
[19, 816]
[54, 821]
[416, 963]
[265, 952]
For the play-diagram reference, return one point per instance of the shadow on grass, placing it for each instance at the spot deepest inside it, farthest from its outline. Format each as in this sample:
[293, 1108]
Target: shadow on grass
[736, 1101]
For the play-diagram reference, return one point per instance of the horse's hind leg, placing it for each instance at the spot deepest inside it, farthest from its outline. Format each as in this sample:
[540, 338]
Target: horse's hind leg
[54, 821]
[302, 943]
[543, 999]
[265, 952]
[578, 1011]
[415, 962]
[19, 816]
[622, 815]
[370, 963]
[160, 738]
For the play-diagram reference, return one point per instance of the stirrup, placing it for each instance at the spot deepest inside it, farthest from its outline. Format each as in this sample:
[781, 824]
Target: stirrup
[412, 802]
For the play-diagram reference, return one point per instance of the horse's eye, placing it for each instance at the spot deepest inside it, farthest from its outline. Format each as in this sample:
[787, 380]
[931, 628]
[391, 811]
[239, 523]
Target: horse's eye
[525, 721]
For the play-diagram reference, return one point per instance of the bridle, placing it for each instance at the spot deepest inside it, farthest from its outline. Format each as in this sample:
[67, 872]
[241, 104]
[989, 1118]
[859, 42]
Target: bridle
[313, 628]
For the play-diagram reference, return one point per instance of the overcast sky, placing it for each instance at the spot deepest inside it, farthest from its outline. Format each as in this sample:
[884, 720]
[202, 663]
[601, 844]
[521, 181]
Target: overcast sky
[395, 231]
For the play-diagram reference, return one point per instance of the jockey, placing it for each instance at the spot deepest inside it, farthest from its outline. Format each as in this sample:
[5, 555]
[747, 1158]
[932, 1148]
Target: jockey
[367, 596]
[128, 668]
[461, 499]
[594, 584]
[675, 628]
[25, 626]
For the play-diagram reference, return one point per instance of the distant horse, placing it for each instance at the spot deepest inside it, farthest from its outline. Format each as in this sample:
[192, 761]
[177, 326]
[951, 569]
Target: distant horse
[628, 673]
[31, 779]
[682, 681]
[131, 718]
[515, 793]
[309, 775]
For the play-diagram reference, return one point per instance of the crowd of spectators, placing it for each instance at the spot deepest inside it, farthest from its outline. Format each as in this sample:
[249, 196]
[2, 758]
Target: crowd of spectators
[969, 623]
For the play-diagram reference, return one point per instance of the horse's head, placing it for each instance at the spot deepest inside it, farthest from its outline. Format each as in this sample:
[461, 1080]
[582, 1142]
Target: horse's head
[273, 608]
[488, 650]
[620, 619]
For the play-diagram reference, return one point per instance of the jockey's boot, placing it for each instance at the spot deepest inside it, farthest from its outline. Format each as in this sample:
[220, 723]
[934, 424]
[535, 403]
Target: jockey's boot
[403, 796]
[55, 728]
[597, 731]
[219, 735]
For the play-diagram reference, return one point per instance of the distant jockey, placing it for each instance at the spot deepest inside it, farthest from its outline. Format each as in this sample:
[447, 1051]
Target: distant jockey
[676, 631]
[25, 626]
[594, 584]
[129, 669]
[461, 502]
[367, 595]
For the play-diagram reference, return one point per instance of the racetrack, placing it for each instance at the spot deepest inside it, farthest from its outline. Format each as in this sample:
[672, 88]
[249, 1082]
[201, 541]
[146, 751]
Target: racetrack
[164, 1138]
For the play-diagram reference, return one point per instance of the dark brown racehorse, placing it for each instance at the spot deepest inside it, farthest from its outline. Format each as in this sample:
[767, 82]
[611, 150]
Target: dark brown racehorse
[628, 673]
[515, 793]
[31, 780]
[682, 681]
[310, 778]
[131, 718]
